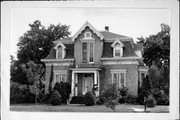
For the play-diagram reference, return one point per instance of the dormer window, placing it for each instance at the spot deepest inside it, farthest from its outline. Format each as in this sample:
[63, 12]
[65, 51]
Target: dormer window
[117, 48]
[60, 50]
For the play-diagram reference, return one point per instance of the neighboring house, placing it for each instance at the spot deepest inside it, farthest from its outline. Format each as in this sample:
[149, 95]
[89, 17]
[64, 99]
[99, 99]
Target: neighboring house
[93, 59]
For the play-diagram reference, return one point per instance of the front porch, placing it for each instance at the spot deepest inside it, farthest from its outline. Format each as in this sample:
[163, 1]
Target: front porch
[83, 80]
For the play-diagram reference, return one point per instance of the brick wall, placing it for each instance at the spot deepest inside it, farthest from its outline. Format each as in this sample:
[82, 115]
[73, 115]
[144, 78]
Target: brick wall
[97, 48]
[131, 77]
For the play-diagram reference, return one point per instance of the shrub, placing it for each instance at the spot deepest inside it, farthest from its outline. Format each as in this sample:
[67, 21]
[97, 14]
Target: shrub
[150, 101]
[55, 98]
[111, 103]
[164, 100]
[77, 100]
[89, 99]
[46, 98]
[131, 99]
[99, 100]
[64, 90]
[160, 96]
[17, 93]
[111, 95]
[123, 91]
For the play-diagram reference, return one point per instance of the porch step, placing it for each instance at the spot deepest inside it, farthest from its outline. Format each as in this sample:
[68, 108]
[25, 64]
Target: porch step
[77, 100]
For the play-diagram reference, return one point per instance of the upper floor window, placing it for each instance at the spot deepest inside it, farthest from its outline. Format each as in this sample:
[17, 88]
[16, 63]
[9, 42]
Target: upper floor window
[117, 48]
[88, 52]
[60, 51]
[119, 77]
[87, 35]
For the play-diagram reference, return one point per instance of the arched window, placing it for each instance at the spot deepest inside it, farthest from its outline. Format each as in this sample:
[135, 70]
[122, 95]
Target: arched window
[60, 51]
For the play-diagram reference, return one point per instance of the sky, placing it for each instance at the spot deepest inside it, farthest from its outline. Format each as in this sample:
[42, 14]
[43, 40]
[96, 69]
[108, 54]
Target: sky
[130, 22]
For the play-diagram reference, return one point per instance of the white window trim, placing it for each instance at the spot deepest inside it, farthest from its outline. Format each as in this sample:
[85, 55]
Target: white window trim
[63, 50]
[119, 71]
[120, 47]
[117, 48]
[87, 38]
[59, 72]
[88, 49]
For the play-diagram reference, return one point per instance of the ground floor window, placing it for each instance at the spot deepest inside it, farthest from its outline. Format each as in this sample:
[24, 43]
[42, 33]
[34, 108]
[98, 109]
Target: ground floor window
[119, 77]
[59, 76]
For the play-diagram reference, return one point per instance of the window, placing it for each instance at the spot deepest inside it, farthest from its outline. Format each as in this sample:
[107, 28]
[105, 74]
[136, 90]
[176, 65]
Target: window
[91, 52]
[117, 53]
[59, 76]
[88, 52]
[84, 52]
[59, 52]
[117, 48]
[119, 77]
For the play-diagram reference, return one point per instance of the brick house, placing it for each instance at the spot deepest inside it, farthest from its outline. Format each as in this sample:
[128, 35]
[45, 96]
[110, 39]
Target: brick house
[92, 59]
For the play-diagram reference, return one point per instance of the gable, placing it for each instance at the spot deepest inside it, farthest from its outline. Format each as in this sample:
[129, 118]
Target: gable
[87, 25]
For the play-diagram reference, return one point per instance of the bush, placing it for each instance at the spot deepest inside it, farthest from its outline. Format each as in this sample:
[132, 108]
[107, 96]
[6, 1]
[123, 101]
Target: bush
[77, 100]
[17, 93]
[64, 90]
[123, 91]
[99, 100]
[55, 98]
[111, 95]
[131, 99]
[46, 98]
[89, 99]
[111, 103]
[160, 96]
[150, 101]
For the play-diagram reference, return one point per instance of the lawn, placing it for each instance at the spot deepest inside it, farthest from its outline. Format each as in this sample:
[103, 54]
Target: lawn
[83, 108]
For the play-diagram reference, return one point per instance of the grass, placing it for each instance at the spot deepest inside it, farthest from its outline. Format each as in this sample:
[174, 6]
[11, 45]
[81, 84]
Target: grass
[83, 108]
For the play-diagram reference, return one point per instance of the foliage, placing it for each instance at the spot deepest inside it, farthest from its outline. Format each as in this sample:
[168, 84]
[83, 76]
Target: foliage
[77, 100]
[89, 99]
[17, 74]
[17, 93]
[123, 95]
[150, 101]
[156, 51]
[55, 98]
[33, 72]
[131, 99]
[36, 43]
[64, 90]
[111, 103]
[146, 86]
[20, 94]
[160, 97]
[111, 96]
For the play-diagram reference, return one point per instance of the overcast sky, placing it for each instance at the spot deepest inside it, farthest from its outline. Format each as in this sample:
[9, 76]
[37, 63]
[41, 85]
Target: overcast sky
[130, 22]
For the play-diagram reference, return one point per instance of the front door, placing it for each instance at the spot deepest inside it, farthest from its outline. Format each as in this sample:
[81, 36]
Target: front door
[87, 83]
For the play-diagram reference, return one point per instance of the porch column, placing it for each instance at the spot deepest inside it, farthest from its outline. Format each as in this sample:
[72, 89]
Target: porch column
[76, 90]
[98, 83]
[72, 84]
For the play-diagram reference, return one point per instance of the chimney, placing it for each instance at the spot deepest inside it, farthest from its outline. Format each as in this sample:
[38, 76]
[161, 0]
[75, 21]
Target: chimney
[107, 28]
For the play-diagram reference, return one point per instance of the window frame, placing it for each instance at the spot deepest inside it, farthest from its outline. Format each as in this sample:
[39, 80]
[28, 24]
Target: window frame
[88, 51]
[118, 74]
[59, 73]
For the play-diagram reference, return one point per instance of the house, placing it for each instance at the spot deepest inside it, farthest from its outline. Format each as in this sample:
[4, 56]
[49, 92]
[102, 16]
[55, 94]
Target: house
[92, 59]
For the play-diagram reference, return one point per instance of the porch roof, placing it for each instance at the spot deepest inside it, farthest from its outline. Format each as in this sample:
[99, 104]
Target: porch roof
[84, 69]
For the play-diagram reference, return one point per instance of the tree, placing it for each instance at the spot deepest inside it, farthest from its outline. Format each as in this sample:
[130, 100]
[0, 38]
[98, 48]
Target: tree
[146, 89]
[156, 51]
[36, 43]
